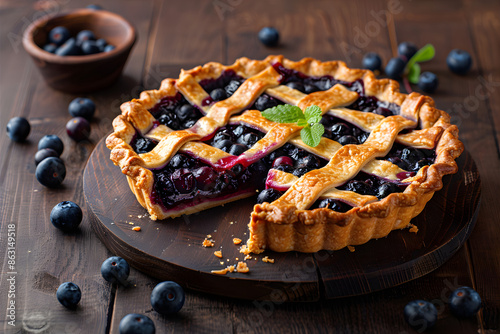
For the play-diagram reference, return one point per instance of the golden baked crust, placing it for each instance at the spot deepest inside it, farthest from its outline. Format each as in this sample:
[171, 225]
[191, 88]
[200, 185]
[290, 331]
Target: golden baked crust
[287, 224]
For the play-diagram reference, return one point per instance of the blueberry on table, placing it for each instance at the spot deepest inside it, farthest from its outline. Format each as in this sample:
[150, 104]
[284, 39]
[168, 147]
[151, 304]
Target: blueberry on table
[372, 61]
[269, 36]
[69, 48]
[167, 297]
[115, 270]
[69, 295]
[90, 47]
[82, 107]
[428, 82]
[134, 323]
[407, 49]
[51, 172]
[44, 154]
[51, 47]
[18, 129]
[59, 35]
[420, 314]
[465, 302]
[66, 216]
[459, 61]
[395, 68]
[51, 141]
[78, 129]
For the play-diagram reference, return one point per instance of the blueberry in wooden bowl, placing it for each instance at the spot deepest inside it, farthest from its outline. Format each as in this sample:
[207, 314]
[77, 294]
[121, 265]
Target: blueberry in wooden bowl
[81, 73]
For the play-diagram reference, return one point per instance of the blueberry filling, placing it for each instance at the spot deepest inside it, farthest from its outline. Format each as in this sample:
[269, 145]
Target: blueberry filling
[186, 181]
[235, 138]
[409, 158]
[142, 144]
[342, 131]
[222, 87]
[175, 112]
[365, 184]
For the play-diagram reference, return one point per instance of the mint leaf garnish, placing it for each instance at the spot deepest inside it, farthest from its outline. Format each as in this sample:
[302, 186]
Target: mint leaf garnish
[284, 113]
[412, 68]
[313, 114]
[309, 120]
[317, 130]
[414, 73]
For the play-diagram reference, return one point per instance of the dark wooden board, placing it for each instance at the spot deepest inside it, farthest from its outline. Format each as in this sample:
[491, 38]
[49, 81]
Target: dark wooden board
[171, 249]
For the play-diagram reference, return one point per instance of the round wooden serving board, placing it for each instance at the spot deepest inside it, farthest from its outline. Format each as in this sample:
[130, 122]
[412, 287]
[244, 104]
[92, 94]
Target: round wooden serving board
[172, 250]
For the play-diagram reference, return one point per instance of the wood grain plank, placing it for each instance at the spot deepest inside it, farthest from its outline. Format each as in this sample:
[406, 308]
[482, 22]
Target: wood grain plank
[45, 256]
[458, 95]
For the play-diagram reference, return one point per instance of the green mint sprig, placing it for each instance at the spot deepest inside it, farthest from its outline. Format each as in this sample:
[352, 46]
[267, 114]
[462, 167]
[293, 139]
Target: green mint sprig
[413, 68]
[309, 119]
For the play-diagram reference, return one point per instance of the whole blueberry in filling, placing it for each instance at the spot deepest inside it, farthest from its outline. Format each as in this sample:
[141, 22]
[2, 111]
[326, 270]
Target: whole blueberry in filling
[175, 112]
[142, 144]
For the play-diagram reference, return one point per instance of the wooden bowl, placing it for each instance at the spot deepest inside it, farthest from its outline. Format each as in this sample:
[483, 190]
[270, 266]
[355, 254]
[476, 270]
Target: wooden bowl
[78, 74]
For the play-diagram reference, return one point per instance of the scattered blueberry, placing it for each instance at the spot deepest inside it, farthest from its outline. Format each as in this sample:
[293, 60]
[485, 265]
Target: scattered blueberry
[167, 297]
[465, 302]
[269, 36]
[95, 7]
[420, 314]
[85, 35]
[407, 49]
[51, 172]
[394, 68]
[18, 129]
[372, 61]
[51, 141]
[109, 48]
[69, 295]
[90, 47]
[51, 47]
[69, 48]
[134, 323]
[268, 195]
[45, 153]
[82, 107]
[59, 35]
[78, 129]
[66, 216]
[459, 61]
[428, 82]
[115, 270]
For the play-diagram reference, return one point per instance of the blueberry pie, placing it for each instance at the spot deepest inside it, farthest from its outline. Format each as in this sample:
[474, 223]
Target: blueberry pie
[201, 141]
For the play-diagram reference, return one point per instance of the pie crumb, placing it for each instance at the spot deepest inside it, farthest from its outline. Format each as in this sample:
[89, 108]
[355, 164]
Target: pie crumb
[267, 259]
[136, 228]
[220, 272]
[218, 254]
[351, 248]
[242, 267]
[244, 250]
[413, 228]
[236, 241]
[248, 256]
[207, 243]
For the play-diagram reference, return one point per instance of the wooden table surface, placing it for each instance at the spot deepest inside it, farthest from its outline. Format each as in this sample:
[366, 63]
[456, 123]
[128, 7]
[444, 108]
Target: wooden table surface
[183, 34]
